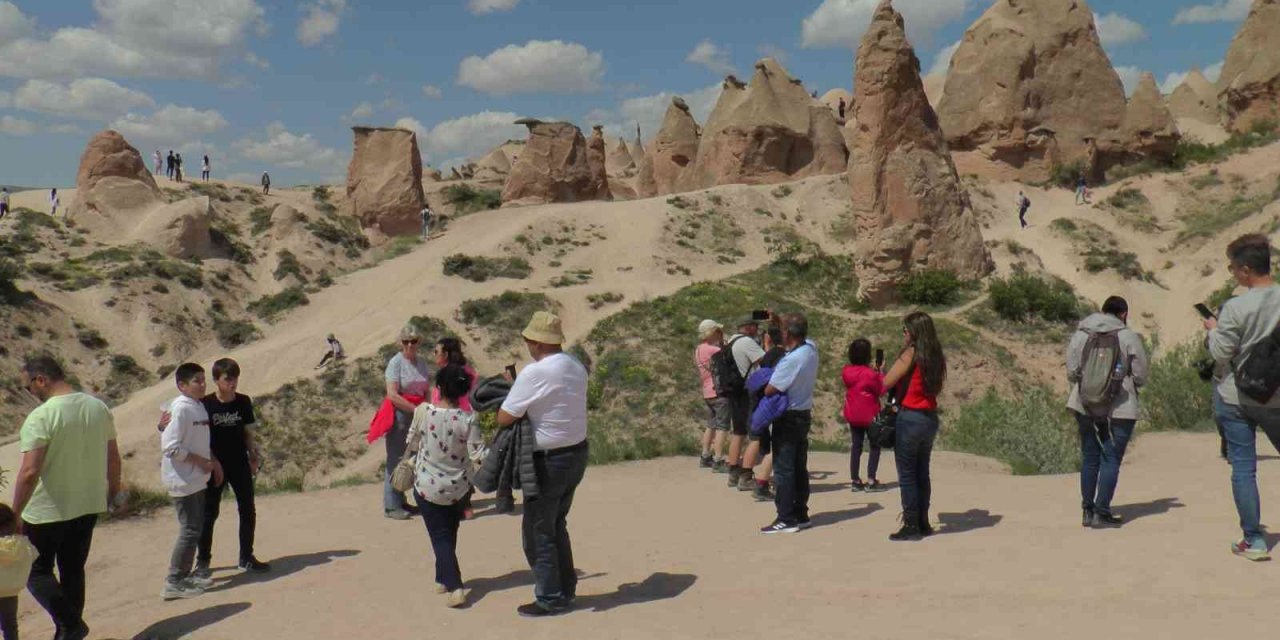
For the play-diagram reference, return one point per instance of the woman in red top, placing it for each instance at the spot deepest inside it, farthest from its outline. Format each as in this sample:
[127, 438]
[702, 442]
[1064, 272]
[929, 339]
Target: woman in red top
[922, 369]
[863, 388]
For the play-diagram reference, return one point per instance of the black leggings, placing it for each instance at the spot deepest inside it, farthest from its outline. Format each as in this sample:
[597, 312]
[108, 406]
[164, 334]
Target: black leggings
[855, 454]
[9, 617]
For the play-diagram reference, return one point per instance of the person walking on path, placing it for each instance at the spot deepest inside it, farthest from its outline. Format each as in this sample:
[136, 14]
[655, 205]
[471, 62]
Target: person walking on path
[711, 333]
[168, 165]
[54, 201]
[1023, 203]
[204, 168]
[335, 352]
[266, 184]
[796, 375]
[157, 161]
[1081, 186]
[1105, 431]
[426, 221]
[408, 381]
[551, 393]
[4, 202]
[863, 388]
[448, 440]
[1245, 322]
[746, 354]
[187, 467]
[70, 472]
[917, 378]
[16, 557]
[177, 167]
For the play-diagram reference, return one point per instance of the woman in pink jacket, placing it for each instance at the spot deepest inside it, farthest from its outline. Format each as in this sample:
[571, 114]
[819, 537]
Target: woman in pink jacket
[863, 388]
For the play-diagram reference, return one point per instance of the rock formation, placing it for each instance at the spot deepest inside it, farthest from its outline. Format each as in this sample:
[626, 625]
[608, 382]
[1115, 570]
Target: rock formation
[671, 154]
[432, 175]
[1027, 90]
[384, 180]
[910, 209]
[619, 162]
[113, 178]
[768, 131]
[1150, 130]
[286, 221]
[557, 165]
[180, 229]
[1250, 82]
[1195, 99]
[598, 154]
[495, 166]
[637, 149]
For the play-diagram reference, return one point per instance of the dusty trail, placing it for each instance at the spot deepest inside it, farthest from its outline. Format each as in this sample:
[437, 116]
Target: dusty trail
[669, 552]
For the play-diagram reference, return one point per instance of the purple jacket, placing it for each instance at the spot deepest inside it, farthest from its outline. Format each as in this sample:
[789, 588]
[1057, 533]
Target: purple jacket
[771, 407]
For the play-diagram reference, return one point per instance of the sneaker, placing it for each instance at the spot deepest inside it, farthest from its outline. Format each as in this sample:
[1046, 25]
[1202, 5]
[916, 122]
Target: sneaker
[706, 462]
[779, 526]
[457, 599]
[735, 473]
[202, 571]
[721, 466]
[255, 565]
[1256, 553]
[1106, 520]
[805, 524]
[504, 506]
[535, 610]
[398, 514]
[746, 482]
[1087, 520]
[180, 591]
[874, 486]
[858, 486]
[202, 583]
[763, 493]
[80, 632]
[441, 589]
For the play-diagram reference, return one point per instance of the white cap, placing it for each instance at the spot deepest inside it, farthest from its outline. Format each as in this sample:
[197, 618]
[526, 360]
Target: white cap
[708, 327]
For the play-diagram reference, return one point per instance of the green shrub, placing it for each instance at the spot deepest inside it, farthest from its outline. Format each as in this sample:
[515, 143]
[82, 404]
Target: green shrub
[468, 199]
[10, 294]
[1222, 295]
[233, 333]
[781, 192]
[288, 265]
[1129, 199]
[214, 191]
[91, 339]
[340, 234]
[33, 218]
[399, 246]
[1024, 297]
[1174, 398]
[1030, 431]
[504, 316]
[597, 300]
[259, 220]
[1211, 179]
[1067, 176]
[930, 288]
[480, 269]
[1215, 217]
[271, 306]
[320, 193]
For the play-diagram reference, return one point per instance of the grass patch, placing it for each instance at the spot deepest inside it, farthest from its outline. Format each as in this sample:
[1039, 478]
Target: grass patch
[272, 306]
[1212, 218]
[931, 288]
[1129, 199]
[10, 294]
[597, 300]
[91, 339]
[781, 192]
[232, 333]
[468, 199]
[571, 278]
[288, 265]
[399, 246]
[1206, 181]
[213, 191]
[1031, 432]
[344, 234]
[1175, 398]
[481, 269]
[1190, 152]
[504, 316]
[1101, 250]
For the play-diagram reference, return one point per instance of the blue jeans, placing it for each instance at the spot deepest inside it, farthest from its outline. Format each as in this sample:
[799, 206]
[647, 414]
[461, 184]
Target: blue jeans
[396, 441]
[442, 527]
[545, 528]
[1100, 466]
[1239, 427]
[791, 466]
[912, 451]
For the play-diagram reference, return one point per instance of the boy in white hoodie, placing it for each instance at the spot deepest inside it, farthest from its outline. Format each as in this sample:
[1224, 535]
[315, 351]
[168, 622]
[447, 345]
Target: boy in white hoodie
[185, 467]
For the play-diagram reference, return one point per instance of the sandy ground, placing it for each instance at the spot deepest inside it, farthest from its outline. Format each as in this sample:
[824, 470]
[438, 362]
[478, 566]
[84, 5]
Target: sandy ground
[668, 552]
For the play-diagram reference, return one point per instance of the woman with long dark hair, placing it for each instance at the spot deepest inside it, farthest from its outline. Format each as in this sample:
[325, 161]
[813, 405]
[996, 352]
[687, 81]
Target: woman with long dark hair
[917, 379]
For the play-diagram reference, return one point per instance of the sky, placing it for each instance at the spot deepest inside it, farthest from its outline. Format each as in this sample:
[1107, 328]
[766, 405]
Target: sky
[276, 85]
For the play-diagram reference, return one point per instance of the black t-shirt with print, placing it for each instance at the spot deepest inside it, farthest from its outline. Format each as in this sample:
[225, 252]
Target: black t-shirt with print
[227, 422]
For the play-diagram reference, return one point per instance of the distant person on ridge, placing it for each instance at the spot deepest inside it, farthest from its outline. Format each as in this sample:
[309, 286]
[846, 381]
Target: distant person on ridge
[204, 168]
[426, 220]
[916, 378]
[266, 184]
[1103, 350]
[841, 108]
[796, 375]
[168, 165]
[177, 167]
[335, 352]
[1023, 203]
[53, 203]
[158, 161]
[711, 333]
[4, 202]
[1081, 186]
[1247, 330]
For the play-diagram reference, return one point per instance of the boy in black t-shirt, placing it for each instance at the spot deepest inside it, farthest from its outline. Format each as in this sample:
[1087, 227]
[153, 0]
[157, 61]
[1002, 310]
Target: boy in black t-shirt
[231, 439]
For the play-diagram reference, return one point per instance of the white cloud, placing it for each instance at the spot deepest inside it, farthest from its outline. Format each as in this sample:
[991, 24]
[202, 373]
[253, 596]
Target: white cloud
[5, 99]
[1221, 11]
[281, 148]
[1129, 76]
[770, 50]
[942, 61]
[842, 23]
[1175, 78]
[432, 92]
[362, 111]
[1115, 29]
[1214, 71]
[539, 66]
[13, 24]
[252, 59]
[322, 20]
[711, 56]
[85, 98]
[648, 111]
[10, 125]
[133, 38]
[170, 125]
[469, 136]
[64, 129]
[481, 7]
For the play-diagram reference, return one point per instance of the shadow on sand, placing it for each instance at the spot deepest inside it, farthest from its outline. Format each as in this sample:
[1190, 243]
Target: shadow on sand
[283, 566]
[836, 517]
[658, 586]
[480, 587]
[181, 625]
[968, 521]
[1131, 512]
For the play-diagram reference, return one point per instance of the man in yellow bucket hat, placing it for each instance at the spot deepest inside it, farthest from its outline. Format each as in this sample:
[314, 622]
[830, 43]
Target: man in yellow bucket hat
[551, 392]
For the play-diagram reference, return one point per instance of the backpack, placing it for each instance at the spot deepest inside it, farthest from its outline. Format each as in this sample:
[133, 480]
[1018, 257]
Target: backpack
[1026, 202]
[1102, 372]
[1258, 371]
[725, 375]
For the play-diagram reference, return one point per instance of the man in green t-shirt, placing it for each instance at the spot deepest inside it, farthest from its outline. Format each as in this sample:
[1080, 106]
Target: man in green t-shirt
[70, 472]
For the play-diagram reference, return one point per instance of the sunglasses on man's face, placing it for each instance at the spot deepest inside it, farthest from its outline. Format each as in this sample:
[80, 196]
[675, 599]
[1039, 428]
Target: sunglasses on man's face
[407, 342]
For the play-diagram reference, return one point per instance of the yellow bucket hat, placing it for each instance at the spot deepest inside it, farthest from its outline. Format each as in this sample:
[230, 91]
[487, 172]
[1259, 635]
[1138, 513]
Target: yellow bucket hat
[544, 327]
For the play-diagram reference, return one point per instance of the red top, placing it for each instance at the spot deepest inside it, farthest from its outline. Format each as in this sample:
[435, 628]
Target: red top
[916, 397]
[863, 388]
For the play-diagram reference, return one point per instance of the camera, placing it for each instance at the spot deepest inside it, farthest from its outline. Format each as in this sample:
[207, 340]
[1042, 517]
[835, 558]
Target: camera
[1204, 368]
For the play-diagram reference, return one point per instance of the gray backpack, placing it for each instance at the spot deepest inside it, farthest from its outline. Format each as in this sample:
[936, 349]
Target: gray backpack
[1102, 372]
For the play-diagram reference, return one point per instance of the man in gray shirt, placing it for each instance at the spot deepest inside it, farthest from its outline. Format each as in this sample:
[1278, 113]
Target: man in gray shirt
[1245, 321]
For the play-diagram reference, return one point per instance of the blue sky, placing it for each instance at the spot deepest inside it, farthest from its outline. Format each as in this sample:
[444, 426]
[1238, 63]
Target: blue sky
[275, 85]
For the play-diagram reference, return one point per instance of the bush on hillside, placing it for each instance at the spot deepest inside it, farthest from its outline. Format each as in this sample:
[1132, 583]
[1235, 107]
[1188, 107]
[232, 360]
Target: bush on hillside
[480, 269]
[1023, 297]
[10, 294]
[259, 220]
[233, 333]
[269, 307]
[1129, 199]
[1030, 432]
[1175, 398]
[930, 288]
[288, 265]
[1067, 176]
[468, 199]
[504, 316]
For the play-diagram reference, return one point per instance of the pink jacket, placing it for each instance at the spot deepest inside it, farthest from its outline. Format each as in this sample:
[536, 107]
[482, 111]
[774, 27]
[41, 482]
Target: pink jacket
[863, 388]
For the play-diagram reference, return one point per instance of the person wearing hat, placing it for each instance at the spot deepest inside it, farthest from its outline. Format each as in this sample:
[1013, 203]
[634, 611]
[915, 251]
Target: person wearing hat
[746, 355]
[334, 353]
[711, 334]
[550, 392]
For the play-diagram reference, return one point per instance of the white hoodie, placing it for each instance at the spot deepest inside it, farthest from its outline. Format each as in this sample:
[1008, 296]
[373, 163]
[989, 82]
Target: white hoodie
[187, 434]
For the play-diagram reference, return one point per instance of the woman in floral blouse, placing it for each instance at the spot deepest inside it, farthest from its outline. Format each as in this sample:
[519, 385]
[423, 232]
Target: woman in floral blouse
[450, 440]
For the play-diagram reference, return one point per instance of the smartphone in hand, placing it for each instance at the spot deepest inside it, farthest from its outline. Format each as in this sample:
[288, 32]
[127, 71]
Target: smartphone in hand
[511, 371]
[1204, 311]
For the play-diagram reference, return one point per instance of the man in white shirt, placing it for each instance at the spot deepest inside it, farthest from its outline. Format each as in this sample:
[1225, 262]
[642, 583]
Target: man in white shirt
[551, 393]
[746, 355]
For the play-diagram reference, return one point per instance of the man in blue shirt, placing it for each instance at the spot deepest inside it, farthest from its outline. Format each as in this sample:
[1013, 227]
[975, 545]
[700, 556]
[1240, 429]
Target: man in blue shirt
[795, 375]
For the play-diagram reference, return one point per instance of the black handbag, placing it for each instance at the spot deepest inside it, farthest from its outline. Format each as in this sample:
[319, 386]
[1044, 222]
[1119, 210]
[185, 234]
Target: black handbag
[883, 431]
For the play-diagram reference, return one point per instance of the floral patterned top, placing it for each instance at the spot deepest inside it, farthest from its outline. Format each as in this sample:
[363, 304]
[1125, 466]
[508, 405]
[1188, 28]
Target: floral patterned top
[451, 442]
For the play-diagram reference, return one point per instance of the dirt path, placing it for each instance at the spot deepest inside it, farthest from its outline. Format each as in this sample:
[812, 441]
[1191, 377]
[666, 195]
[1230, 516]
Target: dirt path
[669, 552]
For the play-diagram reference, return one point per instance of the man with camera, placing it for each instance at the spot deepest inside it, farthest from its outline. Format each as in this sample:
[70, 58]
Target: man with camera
[1247, 326]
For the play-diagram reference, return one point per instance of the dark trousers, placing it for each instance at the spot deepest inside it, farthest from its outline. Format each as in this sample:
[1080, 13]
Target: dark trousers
[397, 442]
[65, 544]
[240, 477]
[916, 431]
[855, 454]
[1022, 216]
[442, 527]
[9, 617]
[791, 466]
[1100, 461]
[546, 528]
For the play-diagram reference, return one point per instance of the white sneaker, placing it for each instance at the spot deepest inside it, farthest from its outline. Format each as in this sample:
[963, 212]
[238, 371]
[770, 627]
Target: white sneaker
[457, 599]
[180, 590]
